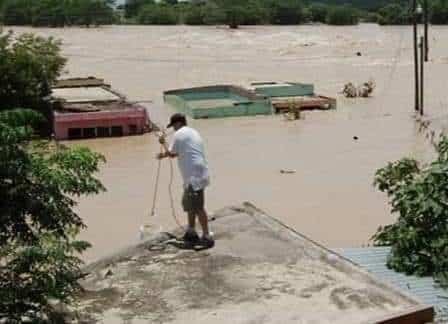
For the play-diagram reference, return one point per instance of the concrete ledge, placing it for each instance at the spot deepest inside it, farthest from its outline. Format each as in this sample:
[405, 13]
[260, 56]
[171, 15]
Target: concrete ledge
[260, 271]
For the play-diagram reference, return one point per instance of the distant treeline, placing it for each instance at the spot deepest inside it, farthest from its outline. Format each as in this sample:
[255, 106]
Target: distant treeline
[57, 13]
[400, 13]
[278, 12]
[237, 12]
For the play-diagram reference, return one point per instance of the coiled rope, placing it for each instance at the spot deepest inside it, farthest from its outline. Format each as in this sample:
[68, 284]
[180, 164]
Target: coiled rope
[170, 187]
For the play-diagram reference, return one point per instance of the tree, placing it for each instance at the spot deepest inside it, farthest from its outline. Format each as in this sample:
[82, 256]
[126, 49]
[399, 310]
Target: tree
[319, 12]
[370, 5]
[58, 13]
[234, 12]
[394, 14]
[49, 13]
[29, 66]
[17, 12]
[257, 13]
[38, 224]
[419, 195]
[213, 14]
[439, 11]
[342, 15]
[195, 15]
[235, 15]
[159, 14]
[287, 12]
[370, 17]
[132, 7]
[96, 13]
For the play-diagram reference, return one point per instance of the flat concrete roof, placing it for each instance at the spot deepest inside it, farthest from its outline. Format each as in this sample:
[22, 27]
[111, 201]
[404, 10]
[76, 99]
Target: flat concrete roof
[260, 271]
[84, 94]
[272, 85]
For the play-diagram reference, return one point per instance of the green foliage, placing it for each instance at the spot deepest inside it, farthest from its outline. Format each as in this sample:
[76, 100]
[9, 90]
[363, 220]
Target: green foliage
[49, 13]
[287, 12]
[18, 12]
[399, 13]
[29, 65]
[342, 15]
[394, 14]
[370, 17]
[213, 14]
[235, 12]
[160, 14]
[195, 15]
[251, 12]
[419, 195]
[58, 13]
[256, 13]
[368, 5]
[132, 7]
[318, 12]
[38, 224]
[439, 11]
[90, 12]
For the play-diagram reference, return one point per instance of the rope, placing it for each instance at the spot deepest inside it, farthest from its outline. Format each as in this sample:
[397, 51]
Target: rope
[156, 187]
[180, 62]
[170, 193]
[170, 190]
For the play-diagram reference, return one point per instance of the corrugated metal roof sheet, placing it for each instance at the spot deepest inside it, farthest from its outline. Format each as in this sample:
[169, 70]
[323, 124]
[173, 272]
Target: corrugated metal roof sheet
[424, 289]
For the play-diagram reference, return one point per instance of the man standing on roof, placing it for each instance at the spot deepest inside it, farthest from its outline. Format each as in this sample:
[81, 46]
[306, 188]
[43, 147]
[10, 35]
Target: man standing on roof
[187, 146]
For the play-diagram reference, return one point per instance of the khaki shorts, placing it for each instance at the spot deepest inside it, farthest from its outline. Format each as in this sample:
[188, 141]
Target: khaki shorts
[193, 201]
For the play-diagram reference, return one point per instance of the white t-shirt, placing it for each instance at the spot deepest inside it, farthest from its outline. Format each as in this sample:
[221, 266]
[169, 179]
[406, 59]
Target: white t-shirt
[188, 145]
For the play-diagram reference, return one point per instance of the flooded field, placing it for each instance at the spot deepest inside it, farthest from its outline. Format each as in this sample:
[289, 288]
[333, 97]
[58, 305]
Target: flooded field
[330, 198]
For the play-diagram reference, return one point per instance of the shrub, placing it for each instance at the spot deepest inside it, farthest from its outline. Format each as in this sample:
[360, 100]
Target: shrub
[39, 252]
[57, 13]
[371, 17]
[158, 15]
[194, 15]
[29, 66]
[394, 14]
[287, 12]
[213, 14]
[17, 12]
[419, 195]
[342, 15]
[319, 12]
[439, 14]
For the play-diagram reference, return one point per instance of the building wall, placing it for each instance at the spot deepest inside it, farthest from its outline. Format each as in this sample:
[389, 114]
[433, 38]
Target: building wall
[248, 103]
[292, 90]
[100, 124]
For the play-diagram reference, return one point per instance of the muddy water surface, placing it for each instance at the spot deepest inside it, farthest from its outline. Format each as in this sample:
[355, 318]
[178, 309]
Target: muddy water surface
[330, 197]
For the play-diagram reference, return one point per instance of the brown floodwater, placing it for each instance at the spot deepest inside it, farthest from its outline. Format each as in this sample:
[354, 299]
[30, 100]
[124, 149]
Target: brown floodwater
[330, 198]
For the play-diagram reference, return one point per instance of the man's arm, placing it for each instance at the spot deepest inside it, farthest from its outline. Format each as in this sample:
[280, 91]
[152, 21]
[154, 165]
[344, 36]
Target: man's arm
[167, 152]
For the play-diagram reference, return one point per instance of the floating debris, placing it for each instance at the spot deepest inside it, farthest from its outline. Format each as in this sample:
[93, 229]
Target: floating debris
[288, 171]
[364, 90]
